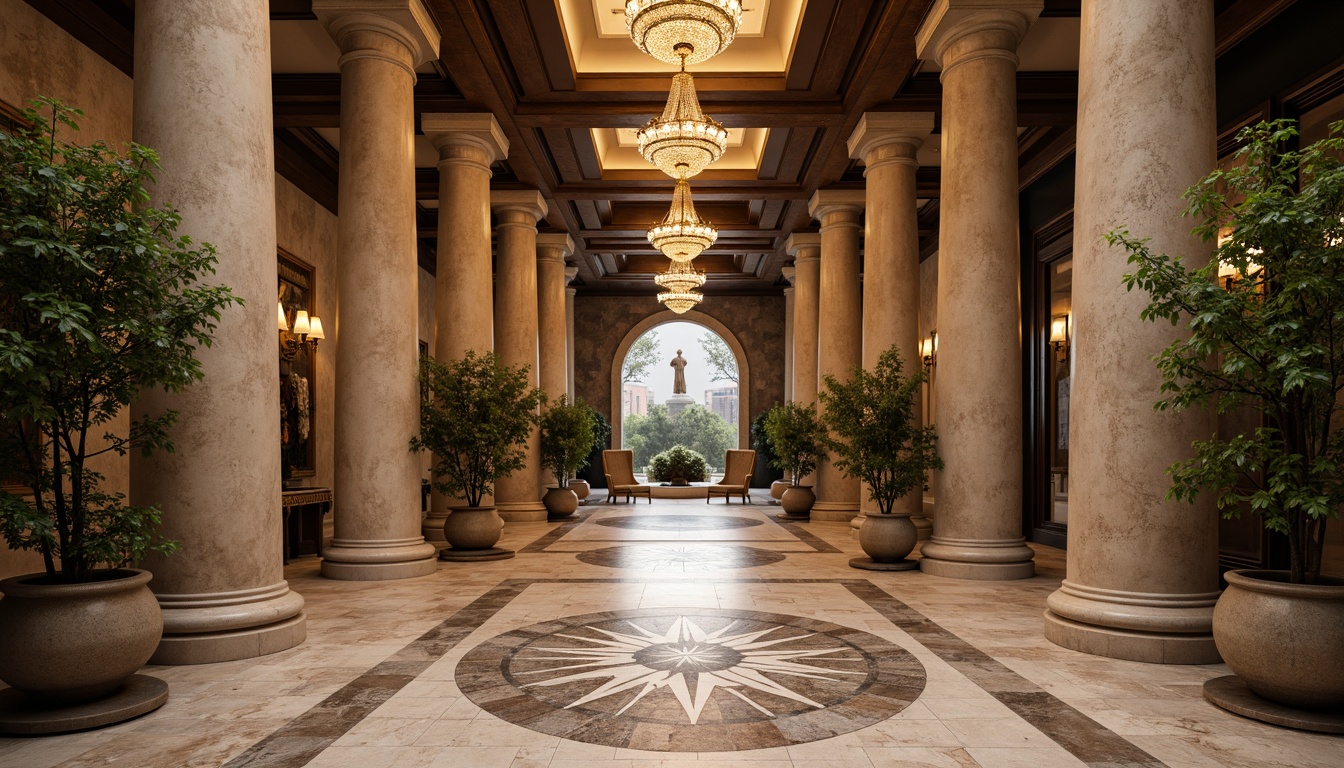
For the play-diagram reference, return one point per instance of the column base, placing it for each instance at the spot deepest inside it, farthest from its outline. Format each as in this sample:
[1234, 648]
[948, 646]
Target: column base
[227, 626]
[834, 511]
[521, 511]
[379, 560]
[977, 559]
[1136, 626]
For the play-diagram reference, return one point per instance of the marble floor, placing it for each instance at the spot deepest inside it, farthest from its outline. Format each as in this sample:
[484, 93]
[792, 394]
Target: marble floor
[675, 635]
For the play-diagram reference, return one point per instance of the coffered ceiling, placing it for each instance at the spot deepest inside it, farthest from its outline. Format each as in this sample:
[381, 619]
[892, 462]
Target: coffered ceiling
[568, 88]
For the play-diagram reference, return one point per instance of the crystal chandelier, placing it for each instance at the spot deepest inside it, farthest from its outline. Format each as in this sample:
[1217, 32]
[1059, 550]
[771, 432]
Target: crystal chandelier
[683, 30]
[678, 301]
[681, 235]
[680, 277]
[683, 140]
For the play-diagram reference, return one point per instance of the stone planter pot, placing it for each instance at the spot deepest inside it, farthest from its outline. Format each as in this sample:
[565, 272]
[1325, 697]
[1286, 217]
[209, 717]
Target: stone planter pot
[580, 488]
[469, 528]
[797, 500]
[888, 538]
[560, 503]
[1283, 640]
[67, 644]
[778, 488]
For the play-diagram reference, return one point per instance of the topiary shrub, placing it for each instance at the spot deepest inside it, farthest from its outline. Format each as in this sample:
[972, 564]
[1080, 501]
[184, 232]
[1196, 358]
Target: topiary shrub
[678, 463]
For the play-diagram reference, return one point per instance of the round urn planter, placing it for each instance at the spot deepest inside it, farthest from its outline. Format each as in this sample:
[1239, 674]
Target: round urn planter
[580, 488]
[797, 501]
[1282, 642]
[777, 490]
[70, 651]
[471, 533]
[560, 503]
[887, 539]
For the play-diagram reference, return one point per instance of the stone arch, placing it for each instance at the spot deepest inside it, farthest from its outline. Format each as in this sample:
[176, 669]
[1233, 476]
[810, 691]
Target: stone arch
[703, 320]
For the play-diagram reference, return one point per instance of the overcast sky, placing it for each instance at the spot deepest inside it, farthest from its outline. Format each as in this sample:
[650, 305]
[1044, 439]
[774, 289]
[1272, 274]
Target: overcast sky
[686, 337]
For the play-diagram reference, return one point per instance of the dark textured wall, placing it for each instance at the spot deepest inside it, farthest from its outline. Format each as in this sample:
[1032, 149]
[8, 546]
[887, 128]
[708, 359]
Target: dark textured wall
[600, 322]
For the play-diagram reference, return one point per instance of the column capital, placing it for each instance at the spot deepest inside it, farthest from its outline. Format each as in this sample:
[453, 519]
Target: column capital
[571, 291]
[790, 273]
[889, 137]
[449, 133]
[524, 201]
[570, 274]
[827, 201]
[406, 21]
[952, 20]
[554, 246]
[803, 246]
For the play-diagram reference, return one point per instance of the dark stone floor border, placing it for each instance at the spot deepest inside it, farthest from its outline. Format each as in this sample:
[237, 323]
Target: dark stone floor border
[806, 536]
[554, 535]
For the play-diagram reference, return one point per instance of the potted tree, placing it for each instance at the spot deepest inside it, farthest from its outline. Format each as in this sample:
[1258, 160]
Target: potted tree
[679, 466]
[1265, 320]
[760, 442]
[601, 430]
[98, 301]
[874, 433]
[794, 435]
[566, 441]
[476, 415]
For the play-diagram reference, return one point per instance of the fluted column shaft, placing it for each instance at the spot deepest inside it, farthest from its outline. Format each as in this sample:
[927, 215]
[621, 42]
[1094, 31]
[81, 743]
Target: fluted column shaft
[839, 328]
[516, 496]
[1142, 571]
[377, 484]
[224, 595]
[978, 529]
[805, 248]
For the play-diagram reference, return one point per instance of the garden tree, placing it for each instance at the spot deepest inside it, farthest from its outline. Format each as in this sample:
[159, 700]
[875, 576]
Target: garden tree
[719, 358]
[642, 355]
[98, 301]
[1271, 337]
[696, 428]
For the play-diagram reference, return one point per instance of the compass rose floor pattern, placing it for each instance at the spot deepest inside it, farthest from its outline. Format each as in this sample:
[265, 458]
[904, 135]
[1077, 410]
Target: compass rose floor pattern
[582, 652]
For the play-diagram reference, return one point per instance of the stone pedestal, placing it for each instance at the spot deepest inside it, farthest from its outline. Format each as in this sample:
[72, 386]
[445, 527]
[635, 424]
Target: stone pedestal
[517, 496]
[839, 328]
[207, 111]
[377, 480]
[1142, 571]
[678, 403]
[463, 287]
[978, 530]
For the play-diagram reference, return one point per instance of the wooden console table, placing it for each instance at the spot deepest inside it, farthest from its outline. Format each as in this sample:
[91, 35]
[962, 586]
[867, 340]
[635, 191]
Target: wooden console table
[303, 510]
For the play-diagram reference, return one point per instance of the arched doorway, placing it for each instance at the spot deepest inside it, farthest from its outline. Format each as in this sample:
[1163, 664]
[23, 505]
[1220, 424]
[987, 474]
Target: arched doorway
[698, 318]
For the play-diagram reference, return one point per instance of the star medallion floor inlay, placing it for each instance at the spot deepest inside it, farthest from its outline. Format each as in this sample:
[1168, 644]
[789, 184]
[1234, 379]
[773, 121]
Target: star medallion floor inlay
[679, 558]
[690, 680]
[679, 522]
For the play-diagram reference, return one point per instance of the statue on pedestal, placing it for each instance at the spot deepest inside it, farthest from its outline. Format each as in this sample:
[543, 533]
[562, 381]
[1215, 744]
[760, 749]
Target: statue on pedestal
[679, 379]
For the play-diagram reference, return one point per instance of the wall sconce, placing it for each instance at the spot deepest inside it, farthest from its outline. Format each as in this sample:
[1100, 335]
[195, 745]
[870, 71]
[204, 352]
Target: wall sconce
[1059, 336]
[928, 349]
[306, 331]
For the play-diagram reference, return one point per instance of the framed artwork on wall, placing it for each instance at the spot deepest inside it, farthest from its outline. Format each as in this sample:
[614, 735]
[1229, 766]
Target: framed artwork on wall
[298, 369]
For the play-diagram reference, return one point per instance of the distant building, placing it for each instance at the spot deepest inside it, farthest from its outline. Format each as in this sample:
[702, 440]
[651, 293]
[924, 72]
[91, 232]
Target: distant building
[636, 398]
[723, 401]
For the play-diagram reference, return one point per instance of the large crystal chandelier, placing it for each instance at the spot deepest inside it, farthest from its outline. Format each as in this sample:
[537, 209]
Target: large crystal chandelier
[681, 235]
[680, 302]
[689, 31]
[683, 140]
[680, 281]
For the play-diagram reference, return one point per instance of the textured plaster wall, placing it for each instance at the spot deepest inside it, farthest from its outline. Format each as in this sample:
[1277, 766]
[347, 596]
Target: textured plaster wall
[66, 70]
[600, 322]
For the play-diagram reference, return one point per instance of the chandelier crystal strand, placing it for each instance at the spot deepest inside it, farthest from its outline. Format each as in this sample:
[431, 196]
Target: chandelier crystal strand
[661, 27]
[683, 140]
[681, 235]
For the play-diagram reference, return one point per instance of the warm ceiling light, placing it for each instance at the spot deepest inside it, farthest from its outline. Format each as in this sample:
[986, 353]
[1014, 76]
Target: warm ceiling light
[683, 140]
[680, 301]
[683, 30]
[681, 235]
[680, 277]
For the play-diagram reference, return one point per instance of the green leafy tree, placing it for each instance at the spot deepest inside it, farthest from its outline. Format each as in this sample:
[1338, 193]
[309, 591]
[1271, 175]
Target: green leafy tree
[678, 462]
[695, 427]
[1272, 338]
[566, 438]
[760, 442]
[719, 358]
[642, 356]
[476, 415]
[704, 432]
[99, 300]
[873, 430]
[794, 434]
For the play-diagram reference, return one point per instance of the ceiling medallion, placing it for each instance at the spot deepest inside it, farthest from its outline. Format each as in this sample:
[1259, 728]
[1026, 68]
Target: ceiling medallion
[681, 235]
[660, 27]
[683, 140]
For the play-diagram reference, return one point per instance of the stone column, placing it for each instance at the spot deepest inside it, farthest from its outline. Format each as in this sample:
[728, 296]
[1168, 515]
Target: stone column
[570, 274]
[977, 533]
[789, 275]
[839, 328]
[378, 533]
[224, 595]
[887, 142]
[805, 248]
[517, 212]
[463, 285]
[553, 374]
[1142, 571]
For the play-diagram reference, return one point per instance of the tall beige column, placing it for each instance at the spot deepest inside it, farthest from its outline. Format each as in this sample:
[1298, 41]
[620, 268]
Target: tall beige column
[977, 533]
[463, 285]
[805, 248]
[377, 484]
[517, 496]
[1142, 571]
[570, 274]
[839, 327]
[224, 595]
[887, 143]
[552, 250]
[789, 275]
